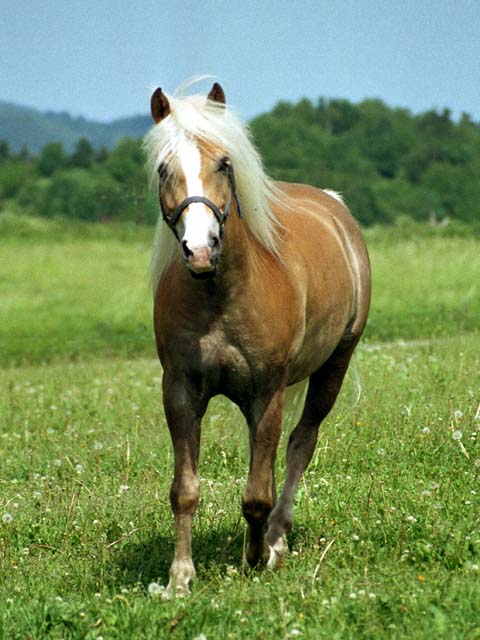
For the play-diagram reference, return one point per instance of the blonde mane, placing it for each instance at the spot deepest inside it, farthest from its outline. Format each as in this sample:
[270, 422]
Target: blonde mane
[194, 116]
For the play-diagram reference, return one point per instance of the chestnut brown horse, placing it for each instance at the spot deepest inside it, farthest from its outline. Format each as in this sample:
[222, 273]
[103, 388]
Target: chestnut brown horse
[257, 285]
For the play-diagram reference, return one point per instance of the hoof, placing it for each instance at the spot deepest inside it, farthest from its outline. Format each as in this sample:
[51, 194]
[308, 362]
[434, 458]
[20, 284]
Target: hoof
[174, 591]
[277, 552]
[182, 572]
[271, 557]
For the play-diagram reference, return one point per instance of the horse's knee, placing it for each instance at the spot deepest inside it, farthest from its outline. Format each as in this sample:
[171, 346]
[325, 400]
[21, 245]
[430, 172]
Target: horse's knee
[184, 495]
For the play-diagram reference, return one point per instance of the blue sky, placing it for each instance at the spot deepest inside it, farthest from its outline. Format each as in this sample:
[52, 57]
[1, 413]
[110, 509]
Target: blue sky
[101, 58]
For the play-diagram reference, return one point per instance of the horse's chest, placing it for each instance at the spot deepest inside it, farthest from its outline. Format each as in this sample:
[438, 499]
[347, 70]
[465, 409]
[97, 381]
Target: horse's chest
[218, 356]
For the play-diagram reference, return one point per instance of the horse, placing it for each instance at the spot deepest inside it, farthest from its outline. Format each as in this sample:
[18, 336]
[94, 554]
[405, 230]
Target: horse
[258, 285]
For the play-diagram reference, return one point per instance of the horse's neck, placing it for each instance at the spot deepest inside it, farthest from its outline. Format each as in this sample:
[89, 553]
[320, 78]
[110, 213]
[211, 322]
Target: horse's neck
[240, 251]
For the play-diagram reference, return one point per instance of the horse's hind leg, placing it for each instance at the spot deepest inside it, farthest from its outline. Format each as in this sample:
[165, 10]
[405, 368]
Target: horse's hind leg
[265, 423]
[323, 389]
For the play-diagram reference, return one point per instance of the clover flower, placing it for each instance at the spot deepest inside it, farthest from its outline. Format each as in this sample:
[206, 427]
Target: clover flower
[155, 589]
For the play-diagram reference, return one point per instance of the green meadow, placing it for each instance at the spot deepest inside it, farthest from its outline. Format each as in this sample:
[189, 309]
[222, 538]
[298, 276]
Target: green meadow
[386, 541]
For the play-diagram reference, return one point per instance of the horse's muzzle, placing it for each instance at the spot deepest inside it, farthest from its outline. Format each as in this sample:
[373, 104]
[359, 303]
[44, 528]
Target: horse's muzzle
[201, 261]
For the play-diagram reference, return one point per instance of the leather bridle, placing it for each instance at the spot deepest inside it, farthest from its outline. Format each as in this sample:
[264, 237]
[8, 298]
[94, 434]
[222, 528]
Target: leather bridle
[221, 216]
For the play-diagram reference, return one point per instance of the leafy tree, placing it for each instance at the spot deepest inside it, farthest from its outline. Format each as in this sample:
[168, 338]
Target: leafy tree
[52, 158]
[83, 154]
[24, 154]
[101, 155]
[13, 176]
[337, 116]
[4, 150]
[125, 163]
[457, 191]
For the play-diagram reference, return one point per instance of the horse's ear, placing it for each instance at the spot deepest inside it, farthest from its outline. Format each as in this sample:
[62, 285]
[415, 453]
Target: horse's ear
[159, 105]
[216, 94]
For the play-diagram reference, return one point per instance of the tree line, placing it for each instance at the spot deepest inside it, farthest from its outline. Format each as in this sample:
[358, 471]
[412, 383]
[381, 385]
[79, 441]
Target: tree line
[387, 162]
[88, 184]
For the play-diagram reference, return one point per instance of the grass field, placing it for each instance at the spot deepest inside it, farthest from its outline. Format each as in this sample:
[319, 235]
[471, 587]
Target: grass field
[386, 542]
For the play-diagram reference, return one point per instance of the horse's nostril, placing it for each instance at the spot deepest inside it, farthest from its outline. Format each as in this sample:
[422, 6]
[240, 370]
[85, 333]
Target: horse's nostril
[186, 251]
[215, 242]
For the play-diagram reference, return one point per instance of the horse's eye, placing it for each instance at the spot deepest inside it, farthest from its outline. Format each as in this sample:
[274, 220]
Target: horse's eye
[223, 164]
[163, 171]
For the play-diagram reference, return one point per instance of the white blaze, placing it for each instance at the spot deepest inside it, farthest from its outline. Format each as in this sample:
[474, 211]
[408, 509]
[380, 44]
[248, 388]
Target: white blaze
[197, 224]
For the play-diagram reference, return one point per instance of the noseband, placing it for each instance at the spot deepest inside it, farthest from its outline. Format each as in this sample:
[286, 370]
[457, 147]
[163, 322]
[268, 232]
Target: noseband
[219, 215]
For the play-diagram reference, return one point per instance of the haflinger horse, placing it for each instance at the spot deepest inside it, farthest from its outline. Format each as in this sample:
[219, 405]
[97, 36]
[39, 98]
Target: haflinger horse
[258, 285]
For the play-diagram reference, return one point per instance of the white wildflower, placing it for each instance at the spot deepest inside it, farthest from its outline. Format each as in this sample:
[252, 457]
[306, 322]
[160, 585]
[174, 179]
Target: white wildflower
[155, 589]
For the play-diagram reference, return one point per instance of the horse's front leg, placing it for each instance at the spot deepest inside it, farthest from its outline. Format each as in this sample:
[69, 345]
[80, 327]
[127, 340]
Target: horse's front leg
[184, 409]
[265, 424]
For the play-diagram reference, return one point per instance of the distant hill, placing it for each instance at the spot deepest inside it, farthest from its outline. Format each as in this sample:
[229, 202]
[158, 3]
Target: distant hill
[26, 126]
